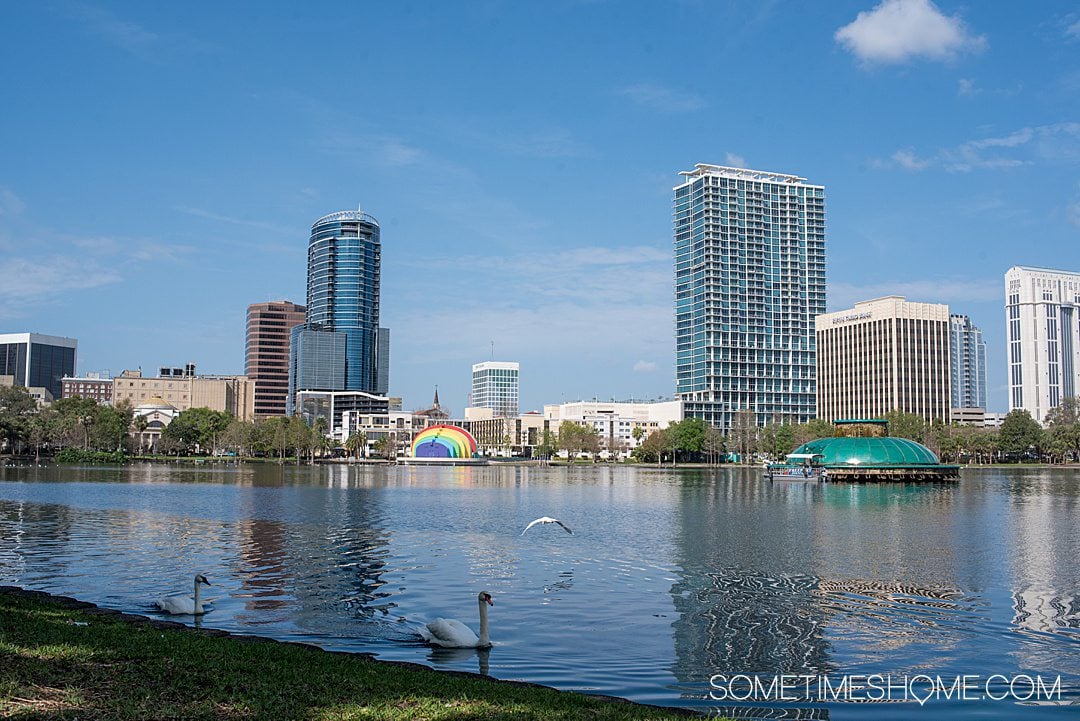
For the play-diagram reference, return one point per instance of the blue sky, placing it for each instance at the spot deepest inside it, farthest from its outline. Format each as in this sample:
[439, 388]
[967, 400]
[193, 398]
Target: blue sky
[161, 165]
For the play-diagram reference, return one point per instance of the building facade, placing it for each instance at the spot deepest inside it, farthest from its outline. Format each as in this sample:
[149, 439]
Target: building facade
[343, 277]
[1043, 331]
[92, 385]
[967, 363]
[884, 355]
[495, 386]
[232, 394]
[266, 360]
[614, 422]
[749, 280]
[36, 360]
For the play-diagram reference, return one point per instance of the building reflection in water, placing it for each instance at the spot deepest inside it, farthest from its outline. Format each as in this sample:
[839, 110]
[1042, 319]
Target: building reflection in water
[809, 579]
[1042, 524]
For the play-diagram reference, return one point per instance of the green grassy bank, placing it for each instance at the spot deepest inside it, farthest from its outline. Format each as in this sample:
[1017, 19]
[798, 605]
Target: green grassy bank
[61, 659]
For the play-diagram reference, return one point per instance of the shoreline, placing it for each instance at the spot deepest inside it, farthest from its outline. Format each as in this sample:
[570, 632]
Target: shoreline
[137, 621]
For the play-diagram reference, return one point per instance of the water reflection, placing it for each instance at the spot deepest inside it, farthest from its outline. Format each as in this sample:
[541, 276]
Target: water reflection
[671, 577]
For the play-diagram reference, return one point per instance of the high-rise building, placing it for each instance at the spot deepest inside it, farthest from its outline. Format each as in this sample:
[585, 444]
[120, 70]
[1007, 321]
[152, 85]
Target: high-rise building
[37, 361]
[343, 275]
[884, 355]
[1043, 324]
[967, 361]
[749, 280]
[267, 352]
[495, 386]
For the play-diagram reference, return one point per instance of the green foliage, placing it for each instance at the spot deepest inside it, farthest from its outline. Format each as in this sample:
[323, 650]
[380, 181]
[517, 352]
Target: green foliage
[196, 428]
[575, 439]
[16, 409]
[549, 444]
[1019, 434]
[75, 455]
[906, 425]
[652, 448]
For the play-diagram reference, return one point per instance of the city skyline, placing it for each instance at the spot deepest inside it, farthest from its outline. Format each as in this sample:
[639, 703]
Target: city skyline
[521, 161]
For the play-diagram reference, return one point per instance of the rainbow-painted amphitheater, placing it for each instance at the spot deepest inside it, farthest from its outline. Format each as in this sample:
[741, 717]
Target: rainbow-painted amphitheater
[443, 441]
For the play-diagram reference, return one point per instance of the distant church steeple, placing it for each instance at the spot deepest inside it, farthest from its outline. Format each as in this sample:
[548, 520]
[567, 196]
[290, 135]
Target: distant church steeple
[435, 404]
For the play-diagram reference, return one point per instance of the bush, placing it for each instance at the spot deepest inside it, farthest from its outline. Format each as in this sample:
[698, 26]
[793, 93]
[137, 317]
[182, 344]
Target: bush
[75, 455]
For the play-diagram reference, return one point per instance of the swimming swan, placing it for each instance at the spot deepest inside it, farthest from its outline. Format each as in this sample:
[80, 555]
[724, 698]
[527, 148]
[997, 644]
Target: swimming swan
[193, 606]
[451, 633]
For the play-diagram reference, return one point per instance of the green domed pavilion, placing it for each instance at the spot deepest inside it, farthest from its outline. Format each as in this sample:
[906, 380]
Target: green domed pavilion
[867, 457]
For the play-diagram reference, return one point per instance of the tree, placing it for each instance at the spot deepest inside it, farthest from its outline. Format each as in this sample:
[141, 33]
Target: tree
[16, 408]
[356, 443]
[139, 424]
[1019, 434]
[688, 436]
[549, 444]
[744, 433]
[715, 443]
[576, 438]
[811, 431]
[906, 425]
[1067, 413]
[652, 448]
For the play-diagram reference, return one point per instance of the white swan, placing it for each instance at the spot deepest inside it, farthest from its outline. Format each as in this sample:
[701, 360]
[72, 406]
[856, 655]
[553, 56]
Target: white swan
[191, 605]
[451, 633]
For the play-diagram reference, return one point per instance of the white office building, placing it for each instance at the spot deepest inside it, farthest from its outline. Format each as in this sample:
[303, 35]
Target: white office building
[1043, 331]
[495, 386]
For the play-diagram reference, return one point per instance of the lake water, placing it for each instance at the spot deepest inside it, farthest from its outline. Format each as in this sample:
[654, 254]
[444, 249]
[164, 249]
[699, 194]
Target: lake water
[674, 582]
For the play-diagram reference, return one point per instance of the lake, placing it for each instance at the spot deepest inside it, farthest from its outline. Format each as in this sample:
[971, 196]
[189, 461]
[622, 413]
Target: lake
[674, 588]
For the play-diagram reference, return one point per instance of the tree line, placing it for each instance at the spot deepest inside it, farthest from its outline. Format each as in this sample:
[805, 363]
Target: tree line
[84, 424]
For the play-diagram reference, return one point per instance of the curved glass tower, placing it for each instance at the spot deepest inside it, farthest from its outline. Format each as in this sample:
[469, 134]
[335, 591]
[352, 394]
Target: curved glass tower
[338, 346]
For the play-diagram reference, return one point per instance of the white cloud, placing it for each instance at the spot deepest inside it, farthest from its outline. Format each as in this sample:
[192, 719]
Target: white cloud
[644, 366]
[29, 280]
[1072, 211]
[219, 218]
[1055, 143]
[127, 35]
[10, 204]
[966, 88]
[1073, 30]
[907, 160]
[899, 30]
[734, 161]
[659, 97]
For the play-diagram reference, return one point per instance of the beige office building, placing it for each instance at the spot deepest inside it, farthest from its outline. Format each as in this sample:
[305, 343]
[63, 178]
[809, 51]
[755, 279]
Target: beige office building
[233, 394]
[883, 355]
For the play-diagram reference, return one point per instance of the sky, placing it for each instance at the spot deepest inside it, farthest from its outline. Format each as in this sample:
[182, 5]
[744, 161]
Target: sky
[161, 165]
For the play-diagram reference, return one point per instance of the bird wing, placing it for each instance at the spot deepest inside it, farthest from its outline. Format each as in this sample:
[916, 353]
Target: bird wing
[533, 523]
[565, 527]
[450, 633]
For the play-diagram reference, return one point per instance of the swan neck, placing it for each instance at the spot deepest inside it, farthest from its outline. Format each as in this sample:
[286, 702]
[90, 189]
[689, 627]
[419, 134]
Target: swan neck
[197, 605]
[483, 624]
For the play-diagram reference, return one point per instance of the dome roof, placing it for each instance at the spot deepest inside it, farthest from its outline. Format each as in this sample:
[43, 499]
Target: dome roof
[155, 403]
[869, 452]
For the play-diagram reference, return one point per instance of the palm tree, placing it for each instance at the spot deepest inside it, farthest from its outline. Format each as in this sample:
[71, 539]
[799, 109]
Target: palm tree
[356, 443]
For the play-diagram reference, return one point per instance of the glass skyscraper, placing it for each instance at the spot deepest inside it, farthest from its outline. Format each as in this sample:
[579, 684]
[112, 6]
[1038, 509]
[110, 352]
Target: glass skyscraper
[749, 280]
[37, 361]
[967, 363]
[343, 271]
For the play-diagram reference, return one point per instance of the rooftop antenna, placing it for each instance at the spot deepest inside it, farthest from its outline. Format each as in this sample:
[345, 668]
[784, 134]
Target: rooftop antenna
[492, 350]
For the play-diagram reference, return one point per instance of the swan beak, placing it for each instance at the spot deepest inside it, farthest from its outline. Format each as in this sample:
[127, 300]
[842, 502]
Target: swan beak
[490, 601]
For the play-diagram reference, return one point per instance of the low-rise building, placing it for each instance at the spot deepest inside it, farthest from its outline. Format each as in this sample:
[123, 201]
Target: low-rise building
[615, 422]
[184, 390]
[97, 386]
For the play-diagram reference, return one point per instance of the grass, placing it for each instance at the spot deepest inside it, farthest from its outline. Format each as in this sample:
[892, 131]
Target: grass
[65, 660]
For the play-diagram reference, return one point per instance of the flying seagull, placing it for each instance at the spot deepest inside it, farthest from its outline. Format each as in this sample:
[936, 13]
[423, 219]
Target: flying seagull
[546, 519]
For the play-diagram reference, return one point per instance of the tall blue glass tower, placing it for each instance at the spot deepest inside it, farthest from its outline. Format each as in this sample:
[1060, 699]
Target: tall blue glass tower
[749, 280]
[344, 263]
